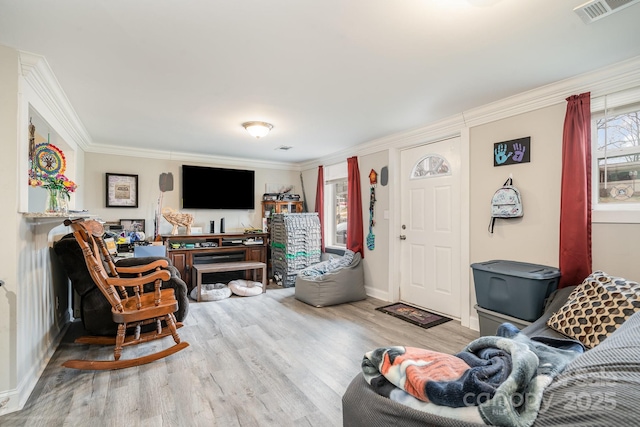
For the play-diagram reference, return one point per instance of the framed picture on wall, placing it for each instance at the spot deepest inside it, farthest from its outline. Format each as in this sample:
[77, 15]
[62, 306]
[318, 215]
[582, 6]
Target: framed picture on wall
[122, 190]
[512, 152]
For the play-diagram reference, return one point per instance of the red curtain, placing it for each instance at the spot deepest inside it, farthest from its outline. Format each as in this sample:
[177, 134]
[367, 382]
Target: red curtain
[575, 202]
[355, 240]
[320, 204]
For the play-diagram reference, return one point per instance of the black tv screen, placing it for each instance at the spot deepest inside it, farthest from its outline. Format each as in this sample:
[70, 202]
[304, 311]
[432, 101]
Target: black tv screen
[217, 188]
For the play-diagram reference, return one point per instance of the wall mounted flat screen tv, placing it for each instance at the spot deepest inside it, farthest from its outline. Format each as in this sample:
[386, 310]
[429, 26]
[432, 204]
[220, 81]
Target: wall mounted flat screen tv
[217, 188]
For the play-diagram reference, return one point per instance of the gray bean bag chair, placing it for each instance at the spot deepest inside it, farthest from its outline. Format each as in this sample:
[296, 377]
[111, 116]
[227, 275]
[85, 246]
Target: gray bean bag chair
[331, 282]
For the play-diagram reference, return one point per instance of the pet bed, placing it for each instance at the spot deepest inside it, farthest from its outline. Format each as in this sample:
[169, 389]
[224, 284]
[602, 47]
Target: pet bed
[211, 292]
[245, 288]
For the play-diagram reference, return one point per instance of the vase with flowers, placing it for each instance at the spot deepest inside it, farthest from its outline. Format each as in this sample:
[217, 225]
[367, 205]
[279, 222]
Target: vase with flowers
[59, 189]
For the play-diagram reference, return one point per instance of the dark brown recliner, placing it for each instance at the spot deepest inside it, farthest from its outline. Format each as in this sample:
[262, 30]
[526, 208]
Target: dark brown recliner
[95, 310]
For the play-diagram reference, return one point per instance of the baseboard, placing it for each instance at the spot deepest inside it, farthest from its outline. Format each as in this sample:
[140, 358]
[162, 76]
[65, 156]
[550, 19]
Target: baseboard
[474, 323]
[14, 400]
[377, 293]
[9, 402]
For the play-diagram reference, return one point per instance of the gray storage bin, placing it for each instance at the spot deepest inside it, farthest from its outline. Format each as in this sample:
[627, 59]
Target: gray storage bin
[490, 320]
[514, 288]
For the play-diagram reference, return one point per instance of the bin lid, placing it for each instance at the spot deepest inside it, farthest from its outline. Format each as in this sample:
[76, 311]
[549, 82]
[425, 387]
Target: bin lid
[518, 269]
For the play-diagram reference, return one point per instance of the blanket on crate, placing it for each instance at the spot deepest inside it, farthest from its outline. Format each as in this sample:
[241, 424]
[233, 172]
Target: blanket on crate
[495, 380]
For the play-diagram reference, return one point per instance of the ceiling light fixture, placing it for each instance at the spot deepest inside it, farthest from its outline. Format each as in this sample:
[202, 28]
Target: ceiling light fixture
[257, 129]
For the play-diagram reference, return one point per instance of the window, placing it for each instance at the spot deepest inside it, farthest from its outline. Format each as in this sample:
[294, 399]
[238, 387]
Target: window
[335, 205]
[430, 166]
[616, 155]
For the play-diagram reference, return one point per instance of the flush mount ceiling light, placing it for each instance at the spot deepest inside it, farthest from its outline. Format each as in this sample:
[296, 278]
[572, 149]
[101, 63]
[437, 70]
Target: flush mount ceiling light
[257, 129]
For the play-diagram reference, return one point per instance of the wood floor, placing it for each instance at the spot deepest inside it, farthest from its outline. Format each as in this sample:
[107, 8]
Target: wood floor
[268, 360]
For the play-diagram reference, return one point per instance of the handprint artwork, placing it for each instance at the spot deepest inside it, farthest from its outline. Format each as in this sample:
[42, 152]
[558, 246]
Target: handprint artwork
[511, 152]
[501, 154]
[519, 150]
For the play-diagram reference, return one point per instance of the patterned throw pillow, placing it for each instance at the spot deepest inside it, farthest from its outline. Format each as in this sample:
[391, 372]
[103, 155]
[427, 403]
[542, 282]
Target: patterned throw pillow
[596, 308]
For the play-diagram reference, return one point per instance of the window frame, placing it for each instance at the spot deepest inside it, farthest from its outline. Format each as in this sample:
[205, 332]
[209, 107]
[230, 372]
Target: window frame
[620, 103]
[332, 174]
[429, 172]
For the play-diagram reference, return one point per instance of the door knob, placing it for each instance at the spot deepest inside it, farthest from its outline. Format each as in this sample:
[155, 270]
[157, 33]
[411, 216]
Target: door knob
[403, 237]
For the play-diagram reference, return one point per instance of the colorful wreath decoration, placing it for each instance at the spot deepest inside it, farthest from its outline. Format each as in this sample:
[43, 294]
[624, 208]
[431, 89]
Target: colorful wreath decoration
[48, 168]
[49, 159]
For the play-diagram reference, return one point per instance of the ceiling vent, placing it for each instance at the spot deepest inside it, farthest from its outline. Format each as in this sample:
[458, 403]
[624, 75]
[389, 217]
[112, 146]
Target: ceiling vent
[596, 9]
[288, 147]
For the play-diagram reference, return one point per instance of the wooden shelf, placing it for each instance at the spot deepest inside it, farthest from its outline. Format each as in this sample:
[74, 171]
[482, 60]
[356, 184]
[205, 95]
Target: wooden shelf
[252, 245]
[45, 218]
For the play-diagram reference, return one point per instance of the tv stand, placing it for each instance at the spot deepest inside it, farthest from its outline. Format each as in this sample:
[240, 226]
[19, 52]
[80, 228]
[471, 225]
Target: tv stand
[185, 250]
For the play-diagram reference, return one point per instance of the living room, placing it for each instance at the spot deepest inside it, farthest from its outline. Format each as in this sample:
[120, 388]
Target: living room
[31, 327]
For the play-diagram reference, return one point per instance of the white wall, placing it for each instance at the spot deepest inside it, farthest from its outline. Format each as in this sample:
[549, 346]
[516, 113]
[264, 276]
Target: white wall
[310, 180]
[149, 170]
[534, 237]
[377, 261]
[29, 321]
[615, 249]
[34, 299]
[10, 244]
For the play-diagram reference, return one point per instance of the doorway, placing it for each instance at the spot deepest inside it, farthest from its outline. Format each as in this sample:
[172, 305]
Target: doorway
[430, 216]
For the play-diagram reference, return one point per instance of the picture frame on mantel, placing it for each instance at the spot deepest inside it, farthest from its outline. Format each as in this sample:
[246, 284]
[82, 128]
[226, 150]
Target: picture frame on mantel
[121, 191]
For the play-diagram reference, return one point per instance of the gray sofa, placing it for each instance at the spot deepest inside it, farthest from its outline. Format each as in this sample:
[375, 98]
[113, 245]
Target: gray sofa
[601, 387]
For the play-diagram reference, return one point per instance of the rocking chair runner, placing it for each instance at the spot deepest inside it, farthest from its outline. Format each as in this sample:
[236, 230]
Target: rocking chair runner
[129, 312]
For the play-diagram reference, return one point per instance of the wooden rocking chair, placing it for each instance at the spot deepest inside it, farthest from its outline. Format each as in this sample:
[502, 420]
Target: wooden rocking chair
[130, 312]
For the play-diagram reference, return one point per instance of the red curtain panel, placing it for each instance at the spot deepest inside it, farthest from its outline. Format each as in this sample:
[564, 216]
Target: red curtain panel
[355, 239]
[575, 203]
[320, 204]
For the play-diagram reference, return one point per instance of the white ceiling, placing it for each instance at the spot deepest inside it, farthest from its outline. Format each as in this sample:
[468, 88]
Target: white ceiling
[182, 75]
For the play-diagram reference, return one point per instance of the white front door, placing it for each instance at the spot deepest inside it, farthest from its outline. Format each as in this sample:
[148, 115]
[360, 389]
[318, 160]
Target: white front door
[430, 231]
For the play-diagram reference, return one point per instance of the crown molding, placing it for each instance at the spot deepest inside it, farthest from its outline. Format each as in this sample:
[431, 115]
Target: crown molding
[442, 129]
[190, 157]
[38, 75]
[614, 78]
[607, 80]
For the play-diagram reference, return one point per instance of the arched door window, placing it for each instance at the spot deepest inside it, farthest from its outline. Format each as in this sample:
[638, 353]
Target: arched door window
[430, 166]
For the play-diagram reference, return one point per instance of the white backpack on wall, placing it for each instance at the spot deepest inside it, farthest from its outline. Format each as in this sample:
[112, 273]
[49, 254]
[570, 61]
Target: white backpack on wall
[505, 203]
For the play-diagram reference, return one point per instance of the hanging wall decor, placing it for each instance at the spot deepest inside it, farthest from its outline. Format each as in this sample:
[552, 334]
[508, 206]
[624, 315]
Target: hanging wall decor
[121, 191]
[32, 143]
[46, 169]
[166, 184]
[512, 152]
[373, 180]
[384, 176]
[49, 159]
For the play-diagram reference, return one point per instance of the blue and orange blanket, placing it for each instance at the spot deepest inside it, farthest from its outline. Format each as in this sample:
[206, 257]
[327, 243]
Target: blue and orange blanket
[495, 380]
